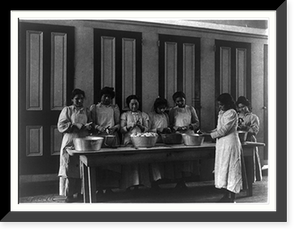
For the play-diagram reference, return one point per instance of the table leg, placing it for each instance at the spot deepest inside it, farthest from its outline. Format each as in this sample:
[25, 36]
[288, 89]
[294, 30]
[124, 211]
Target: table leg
[85, 183]
[92, 184]
[244, 173]
[250, 171]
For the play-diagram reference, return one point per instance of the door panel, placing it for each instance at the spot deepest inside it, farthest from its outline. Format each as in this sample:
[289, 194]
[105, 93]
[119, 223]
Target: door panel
[128, 69]
[108, 61]
[225, 69]
[46, 64]
[58, 77]
[118, 64]
[179, 68]
[170, 69]
[241, 72]
[34, 141]
[34, 70]
[189, 71]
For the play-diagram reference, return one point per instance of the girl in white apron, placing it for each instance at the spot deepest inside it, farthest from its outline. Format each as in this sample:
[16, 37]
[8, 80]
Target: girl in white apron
[106, 118]
[184, 119]
[228, 167]
[134, 121]
[73, 122]
[159, 123]
[249, 122]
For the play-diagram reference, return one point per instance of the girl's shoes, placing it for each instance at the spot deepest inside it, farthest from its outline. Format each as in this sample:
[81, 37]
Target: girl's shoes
[228, 197]
[71, 199]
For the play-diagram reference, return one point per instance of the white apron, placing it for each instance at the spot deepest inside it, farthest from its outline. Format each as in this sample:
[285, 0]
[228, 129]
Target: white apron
[69, 166]
[228, 168]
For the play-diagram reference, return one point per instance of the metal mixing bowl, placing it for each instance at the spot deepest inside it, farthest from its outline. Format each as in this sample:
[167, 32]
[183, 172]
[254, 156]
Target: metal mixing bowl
[110, 141]
[192, 139]
[143, 141]
[89, 143]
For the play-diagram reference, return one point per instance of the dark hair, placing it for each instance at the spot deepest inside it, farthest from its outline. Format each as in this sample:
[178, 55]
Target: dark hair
[178, 94]
[160, 102]
[108, 91]
[131, 97]
[227, 100]
[77, 92]
[243, 100]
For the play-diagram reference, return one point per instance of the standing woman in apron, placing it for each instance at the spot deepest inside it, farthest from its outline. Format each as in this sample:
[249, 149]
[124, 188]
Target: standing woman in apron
[73, 122]
[106, 118]
[184, 119]
[106, 115]
[228, 167]
[132, 122]
[249, 122]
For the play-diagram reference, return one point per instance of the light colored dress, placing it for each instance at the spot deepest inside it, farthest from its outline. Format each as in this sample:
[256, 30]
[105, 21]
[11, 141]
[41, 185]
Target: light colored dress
[104, 116]
[69, 169]
[182, 117]
[228, 167]
[134, 174]
[129, 119]
[251, 121]
[157, 123]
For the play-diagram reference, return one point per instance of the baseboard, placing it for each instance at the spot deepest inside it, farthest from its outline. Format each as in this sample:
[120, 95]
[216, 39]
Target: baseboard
[37, 178]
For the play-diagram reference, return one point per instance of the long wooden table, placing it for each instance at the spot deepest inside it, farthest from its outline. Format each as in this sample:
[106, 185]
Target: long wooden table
[90, 160]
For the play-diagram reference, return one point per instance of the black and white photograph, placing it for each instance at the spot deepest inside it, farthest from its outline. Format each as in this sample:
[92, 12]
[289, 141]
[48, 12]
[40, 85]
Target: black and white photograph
[145, 111]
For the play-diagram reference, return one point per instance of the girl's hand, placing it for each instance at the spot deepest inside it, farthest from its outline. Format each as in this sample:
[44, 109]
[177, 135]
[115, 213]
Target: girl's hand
[183, 128]
[190, 126]
[243, 128]
[99, 128]
[77, 126]
[112, 130]
[129, 128]
[139, 125]
[88, 126]
[166, 130]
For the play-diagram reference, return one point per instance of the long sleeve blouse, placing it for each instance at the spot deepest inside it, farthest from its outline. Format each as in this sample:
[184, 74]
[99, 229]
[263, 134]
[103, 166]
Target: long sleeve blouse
[250, 121]
[181, 117]
[227, 124]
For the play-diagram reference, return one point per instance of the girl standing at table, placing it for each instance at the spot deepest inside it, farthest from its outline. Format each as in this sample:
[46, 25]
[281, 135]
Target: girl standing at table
[73, 122]
[228, 168]
[132, 122]
[184, 119]
[105, 115]
[249, 122]
[159, 119]
[106, 119]
[159, 123]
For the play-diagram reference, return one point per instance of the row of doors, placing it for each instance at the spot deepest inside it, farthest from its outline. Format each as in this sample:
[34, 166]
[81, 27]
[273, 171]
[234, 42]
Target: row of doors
[46, 74]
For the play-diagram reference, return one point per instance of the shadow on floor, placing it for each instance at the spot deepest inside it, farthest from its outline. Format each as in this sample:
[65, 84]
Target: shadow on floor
[197, 192]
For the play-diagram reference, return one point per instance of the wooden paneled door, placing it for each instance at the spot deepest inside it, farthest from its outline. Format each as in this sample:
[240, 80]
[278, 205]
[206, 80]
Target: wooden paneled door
[46, 70]
[179, 68]
[118, 64]
[233, 68]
